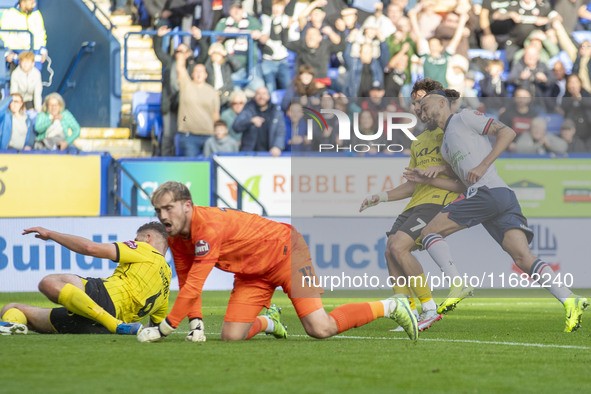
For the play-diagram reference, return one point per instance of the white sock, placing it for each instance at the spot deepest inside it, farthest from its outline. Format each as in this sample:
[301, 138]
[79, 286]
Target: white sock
[439, 251]
[389, 307]
[547, 278]
[270, 325]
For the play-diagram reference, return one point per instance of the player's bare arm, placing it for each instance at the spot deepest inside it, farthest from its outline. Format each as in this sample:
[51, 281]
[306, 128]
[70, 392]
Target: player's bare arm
[398, 193]
[504, 135]
[452, 184]
[74, 243]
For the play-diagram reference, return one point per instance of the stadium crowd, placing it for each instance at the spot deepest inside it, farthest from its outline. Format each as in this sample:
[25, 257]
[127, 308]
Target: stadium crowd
[524, 62]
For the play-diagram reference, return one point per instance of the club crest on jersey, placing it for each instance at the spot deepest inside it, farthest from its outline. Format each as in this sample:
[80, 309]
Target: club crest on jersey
[130, 244]
[201, 248]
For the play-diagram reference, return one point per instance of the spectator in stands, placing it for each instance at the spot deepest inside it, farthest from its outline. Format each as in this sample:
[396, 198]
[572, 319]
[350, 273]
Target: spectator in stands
[16, 129]
[368, 125]
[494, 29]
[314, 16]
[545, 46]
[580, 55]
[363, 69]
[576, 105]
[220, 66]
[348, 21]
[220, 142]
[169, 102]
[315, 51]
[119, 7]
[26, 80]
[531, 74]
[568, 10]
[240, 22]
[434, 56]
[382, 23]
[584, 13]
[199, 108]
[536, 140]
[525, 16]
[274, 66]
[456, 73]
[519, 112]
[56, 127]
[446, 30]
[568, 132]
[237, 103]
[295, 129]
[492, 87]
[302, 88]
[426, 18]
[397, 74]
[558, 90]
[261, 124]
[24, 16]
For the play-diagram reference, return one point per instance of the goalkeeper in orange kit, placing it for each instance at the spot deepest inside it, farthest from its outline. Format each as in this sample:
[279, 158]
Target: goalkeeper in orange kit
[263, 255]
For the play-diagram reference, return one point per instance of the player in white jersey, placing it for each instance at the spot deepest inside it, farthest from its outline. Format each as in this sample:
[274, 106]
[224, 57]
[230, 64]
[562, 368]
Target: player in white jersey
[488, 201]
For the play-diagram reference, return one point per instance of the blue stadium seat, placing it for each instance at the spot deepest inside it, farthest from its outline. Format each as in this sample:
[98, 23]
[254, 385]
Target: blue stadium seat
[333, 73]
[502, 55]
[582, 35]
[553, 122]
[277, 96]
[145, 107]
[564, 58]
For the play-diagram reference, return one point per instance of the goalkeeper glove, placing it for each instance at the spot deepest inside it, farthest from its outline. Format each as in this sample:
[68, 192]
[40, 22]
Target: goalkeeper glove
[196, 331]
[153, 334]
[373, 200]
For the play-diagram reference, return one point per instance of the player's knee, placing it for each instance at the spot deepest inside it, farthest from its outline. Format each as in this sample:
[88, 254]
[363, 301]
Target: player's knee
[7, 307]
[229, 337]
[50, 287]
[319, 332]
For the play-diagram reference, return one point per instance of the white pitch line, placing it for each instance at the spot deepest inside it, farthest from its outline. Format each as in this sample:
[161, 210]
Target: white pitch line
[524, 344]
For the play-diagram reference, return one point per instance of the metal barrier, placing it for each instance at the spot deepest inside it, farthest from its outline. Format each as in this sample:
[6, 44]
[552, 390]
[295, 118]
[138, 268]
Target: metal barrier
[96, 8]
[114, 193]
[240, 189]
[85, 47]
[212, 34]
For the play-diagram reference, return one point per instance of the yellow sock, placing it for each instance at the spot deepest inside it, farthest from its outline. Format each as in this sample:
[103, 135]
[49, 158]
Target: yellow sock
[421, 288]
[14, 315]
[406, 291]
[77, 301]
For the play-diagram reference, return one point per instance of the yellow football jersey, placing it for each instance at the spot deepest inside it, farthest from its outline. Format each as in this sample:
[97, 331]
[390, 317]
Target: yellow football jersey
[140, 284]
[426, 152]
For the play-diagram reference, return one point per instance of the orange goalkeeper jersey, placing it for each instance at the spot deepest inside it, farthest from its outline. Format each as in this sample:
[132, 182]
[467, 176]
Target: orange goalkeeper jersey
[233, 241]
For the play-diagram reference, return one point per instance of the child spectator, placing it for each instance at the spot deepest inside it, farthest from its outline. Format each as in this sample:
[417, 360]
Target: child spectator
[55, 125]
[220, 142]
[16, 129]
[26, 81]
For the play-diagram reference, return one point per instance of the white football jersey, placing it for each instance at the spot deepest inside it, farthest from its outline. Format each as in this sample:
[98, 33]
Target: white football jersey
[465, 145]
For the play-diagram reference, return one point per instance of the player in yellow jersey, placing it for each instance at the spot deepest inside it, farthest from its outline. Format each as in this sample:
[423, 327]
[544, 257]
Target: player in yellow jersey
[138, 287]
[426, 202]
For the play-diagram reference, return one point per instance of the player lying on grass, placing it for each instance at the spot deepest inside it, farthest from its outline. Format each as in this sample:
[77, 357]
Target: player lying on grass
[487, 200]
[426, 202]
[138, 287]
[262, 255]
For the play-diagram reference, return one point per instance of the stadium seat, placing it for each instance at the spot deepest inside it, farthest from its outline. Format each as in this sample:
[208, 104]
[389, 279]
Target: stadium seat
[582, 35]
[333, 73]
[145, 107]
[564, 58]
[277, 96]
[502, 55]
[553, 122]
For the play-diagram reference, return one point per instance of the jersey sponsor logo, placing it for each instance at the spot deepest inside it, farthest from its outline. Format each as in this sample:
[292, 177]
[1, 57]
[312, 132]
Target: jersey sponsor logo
[426, 151]
[130, 244]
[201, 248]
[471, 191]
[478, 113]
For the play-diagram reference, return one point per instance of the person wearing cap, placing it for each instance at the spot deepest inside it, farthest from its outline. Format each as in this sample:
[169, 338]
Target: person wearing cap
[240, 22]
[220, 66]
[568, 131]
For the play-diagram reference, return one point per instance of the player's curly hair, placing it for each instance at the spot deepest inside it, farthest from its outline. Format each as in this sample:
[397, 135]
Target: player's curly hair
[153, 226]
[180, 192]
[427, 85]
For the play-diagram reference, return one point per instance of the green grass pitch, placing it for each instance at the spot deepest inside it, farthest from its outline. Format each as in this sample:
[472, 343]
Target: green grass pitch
[490, 344]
